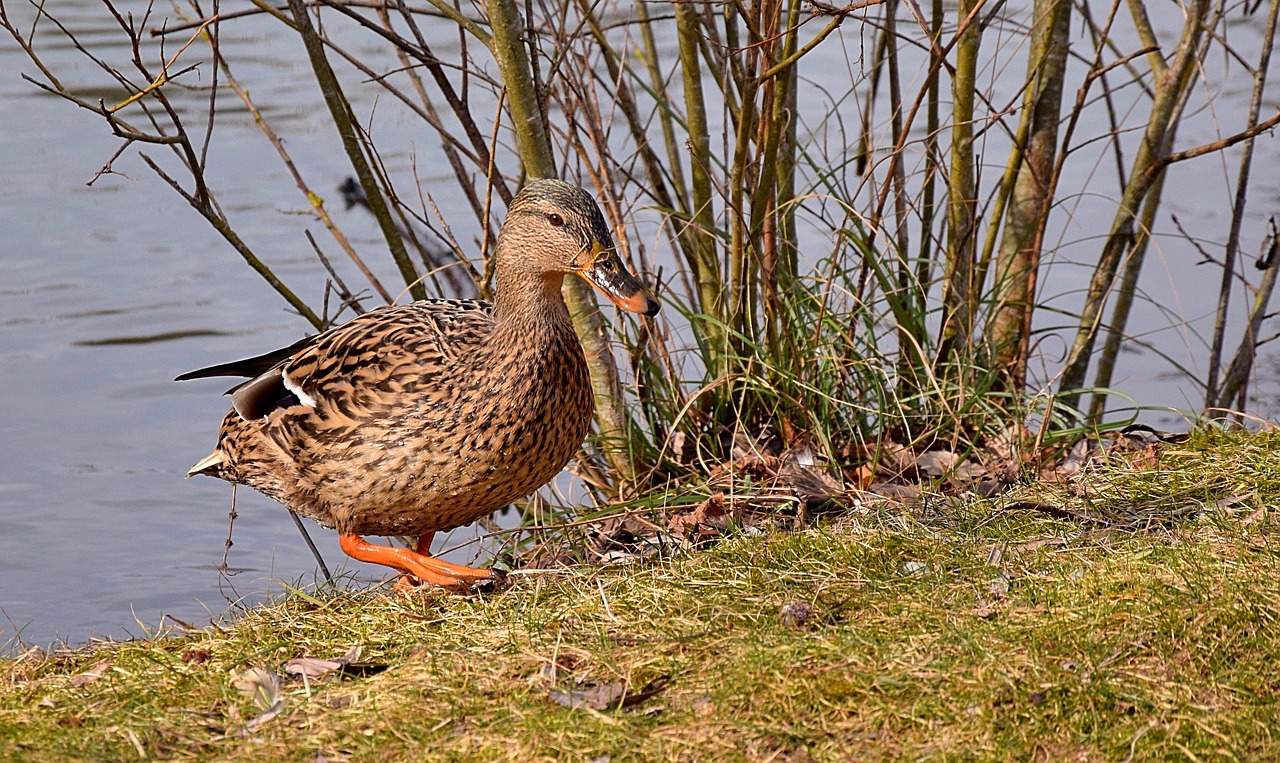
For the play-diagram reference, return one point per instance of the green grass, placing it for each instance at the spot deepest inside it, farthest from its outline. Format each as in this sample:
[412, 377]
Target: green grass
[1079, 643]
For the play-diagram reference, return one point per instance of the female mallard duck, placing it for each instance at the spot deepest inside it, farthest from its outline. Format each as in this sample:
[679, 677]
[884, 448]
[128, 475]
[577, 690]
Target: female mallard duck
[423, 417]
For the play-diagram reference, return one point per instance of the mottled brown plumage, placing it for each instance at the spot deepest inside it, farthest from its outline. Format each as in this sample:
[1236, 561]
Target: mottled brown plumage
[422, 417]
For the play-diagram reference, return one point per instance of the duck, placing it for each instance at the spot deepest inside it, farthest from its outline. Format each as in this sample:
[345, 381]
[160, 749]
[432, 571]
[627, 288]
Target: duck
[417, 418]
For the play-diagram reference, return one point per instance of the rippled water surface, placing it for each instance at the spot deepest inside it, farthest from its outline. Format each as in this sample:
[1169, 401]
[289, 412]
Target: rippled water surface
[107, 292]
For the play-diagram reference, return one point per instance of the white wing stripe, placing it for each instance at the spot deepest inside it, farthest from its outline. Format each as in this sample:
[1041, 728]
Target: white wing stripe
[297, 390]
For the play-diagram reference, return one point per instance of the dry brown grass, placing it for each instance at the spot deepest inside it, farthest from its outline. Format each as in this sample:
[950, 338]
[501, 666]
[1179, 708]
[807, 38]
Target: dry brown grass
[1077, 644]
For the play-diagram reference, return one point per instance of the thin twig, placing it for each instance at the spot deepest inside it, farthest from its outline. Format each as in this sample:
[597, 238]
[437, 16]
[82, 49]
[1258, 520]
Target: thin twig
[297, 521]
[314, 199]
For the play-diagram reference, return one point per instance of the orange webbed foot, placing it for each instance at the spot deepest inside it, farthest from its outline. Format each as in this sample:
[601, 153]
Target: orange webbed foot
[415, 564]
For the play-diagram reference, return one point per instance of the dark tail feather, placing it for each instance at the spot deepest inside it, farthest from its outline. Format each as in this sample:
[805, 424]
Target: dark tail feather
[248, 367]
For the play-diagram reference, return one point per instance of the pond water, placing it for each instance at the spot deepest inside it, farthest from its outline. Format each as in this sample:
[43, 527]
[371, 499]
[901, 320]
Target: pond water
[108, 291]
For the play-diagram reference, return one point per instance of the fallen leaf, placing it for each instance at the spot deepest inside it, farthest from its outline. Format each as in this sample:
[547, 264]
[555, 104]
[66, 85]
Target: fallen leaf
[935, 463]
[863, 476]
[1008, 443]
[896, 458]
[706, 519]
[969, 471]
[795, 473]
[1076, 458]
[259, 684]
[90, 675]
[915, 568]
[893, 490]
[807, 479]
[266, 717]
[603, 696]
[1145, 434]
[313, 668]
[263, 687]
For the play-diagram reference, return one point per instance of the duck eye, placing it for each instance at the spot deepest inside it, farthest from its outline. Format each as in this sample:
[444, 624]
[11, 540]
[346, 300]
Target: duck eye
[555, 219]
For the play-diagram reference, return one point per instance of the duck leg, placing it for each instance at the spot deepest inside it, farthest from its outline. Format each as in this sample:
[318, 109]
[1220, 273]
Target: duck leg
[420, 565]
[408, 583]
[424, 543]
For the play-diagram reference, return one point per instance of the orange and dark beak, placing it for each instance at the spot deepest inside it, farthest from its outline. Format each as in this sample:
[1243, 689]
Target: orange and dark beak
[606, 272]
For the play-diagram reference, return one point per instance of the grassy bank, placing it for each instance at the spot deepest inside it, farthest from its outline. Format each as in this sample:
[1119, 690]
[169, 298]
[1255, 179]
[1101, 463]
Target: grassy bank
[951, 628]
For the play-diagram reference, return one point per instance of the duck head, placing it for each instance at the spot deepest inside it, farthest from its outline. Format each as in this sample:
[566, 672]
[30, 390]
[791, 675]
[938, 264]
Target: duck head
[559, 229]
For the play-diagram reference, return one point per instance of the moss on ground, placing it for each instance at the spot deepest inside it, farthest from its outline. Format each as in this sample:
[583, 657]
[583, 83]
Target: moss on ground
[960, 629]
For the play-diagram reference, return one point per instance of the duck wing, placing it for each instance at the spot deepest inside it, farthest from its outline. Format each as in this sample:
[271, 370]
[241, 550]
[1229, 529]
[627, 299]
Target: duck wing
[343, 362]
[263, 392]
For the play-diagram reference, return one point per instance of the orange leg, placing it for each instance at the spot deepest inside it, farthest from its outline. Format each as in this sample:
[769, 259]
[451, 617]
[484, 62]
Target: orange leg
[421, 566]
[408, 583]
[424, 543]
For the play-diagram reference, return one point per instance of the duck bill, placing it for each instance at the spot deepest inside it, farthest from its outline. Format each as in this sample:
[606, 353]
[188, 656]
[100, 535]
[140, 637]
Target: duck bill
[607, 273]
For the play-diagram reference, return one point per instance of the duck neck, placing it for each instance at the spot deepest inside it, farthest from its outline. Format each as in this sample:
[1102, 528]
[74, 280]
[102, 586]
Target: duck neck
[528, 306]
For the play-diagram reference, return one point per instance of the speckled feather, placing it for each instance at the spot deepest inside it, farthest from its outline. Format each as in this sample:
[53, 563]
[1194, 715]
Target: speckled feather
[423, 417]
